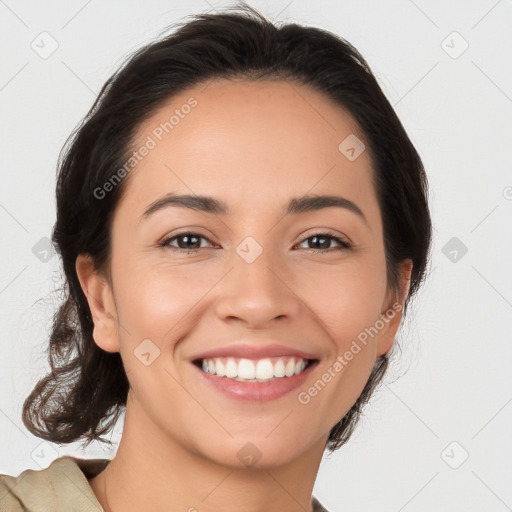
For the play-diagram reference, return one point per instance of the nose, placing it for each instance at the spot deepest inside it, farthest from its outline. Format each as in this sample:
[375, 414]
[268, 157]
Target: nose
[258, 293]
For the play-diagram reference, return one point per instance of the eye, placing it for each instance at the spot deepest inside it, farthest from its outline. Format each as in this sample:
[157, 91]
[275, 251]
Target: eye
[190, 241]
[325, 239]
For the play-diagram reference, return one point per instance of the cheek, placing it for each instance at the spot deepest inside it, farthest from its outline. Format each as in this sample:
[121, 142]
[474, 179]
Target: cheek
[346, 298]
[347, 301]
[154, 301]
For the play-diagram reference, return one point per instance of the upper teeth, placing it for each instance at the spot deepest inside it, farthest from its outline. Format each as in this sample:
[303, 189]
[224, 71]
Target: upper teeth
[261, 369]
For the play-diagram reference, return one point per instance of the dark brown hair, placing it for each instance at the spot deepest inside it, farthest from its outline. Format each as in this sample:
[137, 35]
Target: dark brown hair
[83, 395]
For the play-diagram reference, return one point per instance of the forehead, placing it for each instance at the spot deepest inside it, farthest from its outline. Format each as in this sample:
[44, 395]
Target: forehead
[249, 143]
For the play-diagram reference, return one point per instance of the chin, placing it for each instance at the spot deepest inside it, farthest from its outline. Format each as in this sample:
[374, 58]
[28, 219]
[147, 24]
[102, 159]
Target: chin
[254, 453]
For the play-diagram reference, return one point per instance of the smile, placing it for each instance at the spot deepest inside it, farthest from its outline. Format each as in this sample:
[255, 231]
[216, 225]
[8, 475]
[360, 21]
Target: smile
[261, 370]
[255, 379]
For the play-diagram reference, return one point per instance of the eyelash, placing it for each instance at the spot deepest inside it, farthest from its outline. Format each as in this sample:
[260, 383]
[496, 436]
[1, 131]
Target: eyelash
[344, 244]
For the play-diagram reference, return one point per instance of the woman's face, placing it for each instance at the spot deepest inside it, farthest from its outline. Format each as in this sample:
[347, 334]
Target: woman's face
[249, 276]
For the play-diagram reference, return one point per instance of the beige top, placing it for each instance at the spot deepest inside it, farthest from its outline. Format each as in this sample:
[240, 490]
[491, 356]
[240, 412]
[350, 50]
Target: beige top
[61, 487]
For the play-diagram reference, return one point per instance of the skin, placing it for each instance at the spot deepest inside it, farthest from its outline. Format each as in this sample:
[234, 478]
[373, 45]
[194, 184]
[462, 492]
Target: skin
[254, 146]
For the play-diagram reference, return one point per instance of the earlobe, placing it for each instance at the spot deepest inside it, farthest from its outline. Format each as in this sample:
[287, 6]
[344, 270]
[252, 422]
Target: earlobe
[99, 296]
[393, 309]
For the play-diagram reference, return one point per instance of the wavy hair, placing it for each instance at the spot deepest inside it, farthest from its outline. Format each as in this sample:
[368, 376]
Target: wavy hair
[84, 393]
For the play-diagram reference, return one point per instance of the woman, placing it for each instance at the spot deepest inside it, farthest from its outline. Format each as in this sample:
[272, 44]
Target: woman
[242, 222]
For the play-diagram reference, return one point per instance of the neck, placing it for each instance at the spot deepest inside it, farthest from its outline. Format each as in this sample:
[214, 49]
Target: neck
[152, 471]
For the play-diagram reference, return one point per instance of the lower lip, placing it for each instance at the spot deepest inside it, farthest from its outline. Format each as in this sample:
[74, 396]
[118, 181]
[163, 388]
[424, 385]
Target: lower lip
[257, 391]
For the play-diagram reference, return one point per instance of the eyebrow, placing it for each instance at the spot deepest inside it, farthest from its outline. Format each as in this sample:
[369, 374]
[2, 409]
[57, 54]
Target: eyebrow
[208, 204]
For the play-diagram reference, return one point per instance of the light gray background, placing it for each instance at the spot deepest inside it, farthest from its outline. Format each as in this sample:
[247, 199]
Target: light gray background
[453, 382]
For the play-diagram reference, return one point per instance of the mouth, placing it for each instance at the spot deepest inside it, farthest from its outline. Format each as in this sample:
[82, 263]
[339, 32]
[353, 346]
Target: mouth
[255, 379]
[266, 369]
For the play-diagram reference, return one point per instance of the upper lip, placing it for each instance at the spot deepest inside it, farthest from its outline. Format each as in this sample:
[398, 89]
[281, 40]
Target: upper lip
[253, 351]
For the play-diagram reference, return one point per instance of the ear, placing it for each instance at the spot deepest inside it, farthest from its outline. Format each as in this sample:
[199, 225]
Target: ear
[393, 307]
[98, 293]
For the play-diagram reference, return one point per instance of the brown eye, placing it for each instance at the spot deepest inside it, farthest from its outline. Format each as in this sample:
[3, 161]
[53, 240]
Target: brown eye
[187, 242]
[191, 242]
[322, 242]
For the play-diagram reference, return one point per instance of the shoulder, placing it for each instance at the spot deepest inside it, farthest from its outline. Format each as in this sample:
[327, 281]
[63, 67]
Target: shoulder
[62, 485]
